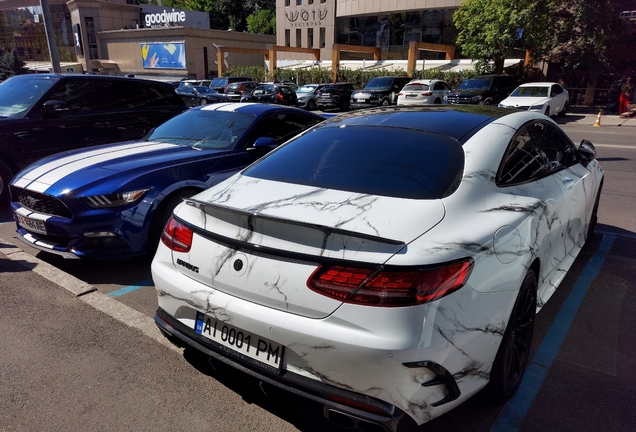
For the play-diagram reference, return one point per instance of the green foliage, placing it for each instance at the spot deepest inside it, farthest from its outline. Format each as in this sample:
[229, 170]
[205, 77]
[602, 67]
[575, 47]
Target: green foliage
[317, 75]
[262, 22]
[225, 14]
[11, 64]
[493, 30]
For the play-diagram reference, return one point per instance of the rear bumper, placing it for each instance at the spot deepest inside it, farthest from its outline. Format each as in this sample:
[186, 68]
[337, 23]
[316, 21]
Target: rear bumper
[313, 390]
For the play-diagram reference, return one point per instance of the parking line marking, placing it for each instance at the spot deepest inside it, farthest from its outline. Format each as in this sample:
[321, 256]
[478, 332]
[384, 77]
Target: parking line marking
[131, 288]
[514, 413]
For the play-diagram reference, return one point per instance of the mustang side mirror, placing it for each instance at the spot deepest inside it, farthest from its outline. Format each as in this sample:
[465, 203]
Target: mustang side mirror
[264, 144]
[587, 152]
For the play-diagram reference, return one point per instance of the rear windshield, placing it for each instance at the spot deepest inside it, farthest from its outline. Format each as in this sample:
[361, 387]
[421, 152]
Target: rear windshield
[415, 87]
[386, 161]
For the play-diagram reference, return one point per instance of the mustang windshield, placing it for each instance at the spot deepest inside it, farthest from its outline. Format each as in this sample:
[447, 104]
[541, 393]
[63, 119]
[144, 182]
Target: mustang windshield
[204, 129]
[18, 96]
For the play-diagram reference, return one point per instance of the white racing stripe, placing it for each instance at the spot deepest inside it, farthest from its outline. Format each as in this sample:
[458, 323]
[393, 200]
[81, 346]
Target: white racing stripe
[46, 175]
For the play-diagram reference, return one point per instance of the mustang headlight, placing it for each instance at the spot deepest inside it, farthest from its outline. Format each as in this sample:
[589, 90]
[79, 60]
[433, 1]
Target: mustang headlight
[114, 200]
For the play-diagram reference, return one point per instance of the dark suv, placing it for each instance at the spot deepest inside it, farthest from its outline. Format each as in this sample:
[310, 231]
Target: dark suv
[42, 114]
[380, 91]
[335, 95]
[483, 90]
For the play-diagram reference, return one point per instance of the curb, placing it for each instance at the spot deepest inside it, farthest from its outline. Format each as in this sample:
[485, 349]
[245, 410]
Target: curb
[88, 294]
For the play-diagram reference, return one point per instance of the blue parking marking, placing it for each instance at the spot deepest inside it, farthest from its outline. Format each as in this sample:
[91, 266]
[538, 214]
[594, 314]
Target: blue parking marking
[514, 413]
[131, 288]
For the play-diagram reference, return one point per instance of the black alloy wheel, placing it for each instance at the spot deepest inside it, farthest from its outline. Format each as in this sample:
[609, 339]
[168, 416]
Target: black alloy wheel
[487, 102]
[385, 102]
[311, 105]
[564, 111]
[513, 354]
[593, 218]
[203, 102]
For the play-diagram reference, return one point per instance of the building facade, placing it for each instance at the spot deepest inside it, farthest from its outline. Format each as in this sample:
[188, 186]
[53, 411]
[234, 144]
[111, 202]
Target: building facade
[388, 24]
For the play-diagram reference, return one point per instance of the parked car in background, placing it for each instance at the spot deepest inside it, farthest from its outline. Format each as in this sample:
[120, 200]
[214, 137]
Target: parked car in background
[189, 82]
[197, 95]
[291, 84]
[307, 96]
[235, 91]
[386, 264]
[221, 83]
[545, 97]
[483, 90]
[423, 92]
[112, 201]
[335, 96]
[42, 114]
[380, 91]
[272, 93]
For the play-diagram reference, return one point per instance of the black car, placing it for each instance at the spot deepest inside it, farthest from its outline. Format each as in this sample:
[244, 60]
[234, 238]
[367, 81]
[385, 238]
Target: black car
[335, 95]
[483, 90]
[272, 93]
[221, 83]
[237, 90]
[197, 95]
[380, 91]
[42, 114]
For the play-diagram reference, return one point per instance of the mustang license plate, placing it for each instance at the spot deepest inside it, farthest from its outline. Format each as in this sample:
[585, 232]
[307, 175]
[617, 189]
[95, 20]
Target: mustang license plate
[34, 225]
[247, 346]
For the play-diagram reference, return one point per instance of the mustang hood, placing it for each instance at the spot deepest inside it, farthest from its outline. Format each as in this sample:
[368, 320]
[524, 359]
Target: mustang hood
[251, 220]
[65, 171]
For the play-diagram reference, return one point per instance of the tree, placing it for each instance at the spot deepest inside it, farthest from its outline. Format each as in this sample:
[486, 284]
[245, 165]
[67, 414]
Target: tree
[262, 22]
[492, 30]
[11, 64]
[225, 14]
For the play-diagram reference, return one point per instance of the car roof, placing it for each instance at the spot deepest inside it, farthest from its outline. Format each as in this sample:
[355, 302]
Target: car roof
[457, 121]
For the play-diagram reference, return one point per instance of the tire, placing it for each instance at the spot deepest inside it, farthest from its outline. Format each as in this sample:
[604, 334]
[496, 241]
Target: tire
[203, 102]
[564, 111]
[487, 102]
[311, 105]
[345, 106]
[437, 101]
[5, 177]
[512, 357]
[547, 111]
[161, 216]
[593, 218]
[385, 102]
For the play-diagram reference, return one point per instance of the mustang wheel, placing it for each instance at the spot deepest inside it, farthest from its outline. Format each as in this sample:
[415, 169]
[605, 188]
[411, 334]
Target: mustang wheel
[512, 357]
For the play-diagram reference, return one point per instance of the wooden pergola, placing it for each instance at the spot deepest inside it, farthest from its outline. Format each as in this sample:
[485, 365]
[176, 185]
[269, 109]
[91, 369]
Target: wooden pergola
[269, 54]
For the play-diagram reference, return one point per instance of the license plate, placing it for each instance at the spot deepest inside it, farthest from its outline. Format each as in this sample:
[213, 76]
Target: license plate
[35, 225]
[240, 343]
[411, 96]
[359, 100]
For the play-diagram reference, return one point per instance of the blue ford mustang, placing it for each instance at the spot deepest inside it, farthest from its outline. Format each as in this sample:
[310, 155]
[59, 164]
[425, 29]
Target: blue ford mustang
[112, 201]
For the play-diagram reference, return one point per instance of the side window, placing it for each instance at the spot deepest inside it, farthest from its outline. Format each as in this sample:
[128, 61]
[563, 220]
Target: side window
[535, 151]
[281, 127]
[556, 90]
[81, 95]
[565, 149]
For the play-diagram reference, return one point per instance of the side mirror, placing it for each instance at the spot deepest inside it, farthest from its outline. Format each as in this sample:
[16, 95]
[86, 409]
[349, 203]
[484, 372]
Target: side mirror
[53, 107]
[263, 144]
[587, 152]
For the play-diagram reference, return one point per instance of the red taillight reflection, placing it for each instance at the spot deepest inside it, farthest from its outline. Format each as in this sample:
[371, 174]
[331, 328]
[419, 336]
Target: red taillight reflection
[390, 288]
[280, 97]
[177, 236]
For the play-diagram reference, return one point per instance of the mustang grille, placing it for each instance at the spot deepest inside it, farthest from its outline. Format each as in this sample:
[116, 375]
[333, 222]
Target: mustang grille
[42, 203]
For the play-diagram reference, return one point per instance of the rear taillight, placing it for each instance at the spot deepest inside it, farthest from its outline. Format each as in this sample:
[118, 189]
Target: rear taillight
[388, 287]
[427, 94]
[280, 97]
[400, 94]
[177, 236]
[240, 87]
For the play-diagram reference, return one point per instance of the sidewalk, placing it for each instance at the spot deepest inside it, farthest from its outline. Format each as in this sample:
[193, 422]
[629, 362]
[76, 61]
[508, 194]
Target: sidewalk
[587, 116]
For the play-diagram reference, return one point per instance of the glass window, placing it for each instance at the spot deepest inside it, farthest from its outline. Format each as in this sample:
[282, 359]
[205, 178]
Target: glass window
[281, 126]
[299, 2]
[369, 159]
[310, 37]
[287, 2]
[287, 37]
[322, 35]
[19, 94]
[92, 38]
[537, 150]
[299, 41]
